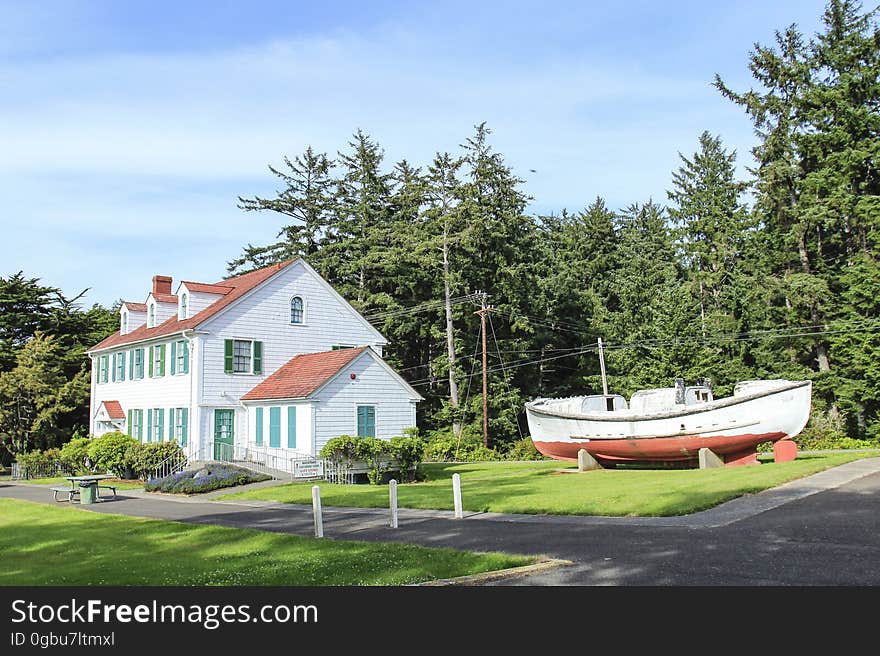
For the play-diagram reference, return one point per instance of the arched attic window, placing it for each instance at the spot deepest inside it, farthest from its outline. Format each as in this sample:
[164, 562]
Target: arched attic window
[297, 311]
[183, 305]
[151, 315]
[123, 327]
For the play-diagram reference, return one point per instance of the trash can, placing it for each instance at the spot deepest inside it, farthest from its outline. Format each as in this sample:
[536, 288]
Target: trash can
[88, 491]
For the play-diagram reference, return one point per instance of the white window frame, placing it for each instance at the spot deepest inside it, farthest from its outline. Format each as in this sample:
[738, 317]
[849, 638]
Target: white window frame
[305, 314]
[157, 360]
[151, 315]
[184, 306]
[250, 371]
[154, 429]
[134, 368]
[179, 424]
[120, 366]
[123, 324]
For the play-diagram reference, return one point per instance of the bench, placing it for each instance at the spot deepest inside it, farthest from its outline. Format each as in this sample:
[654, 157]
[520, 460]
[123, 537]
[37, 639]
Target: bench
[105, 487]
[69, 491]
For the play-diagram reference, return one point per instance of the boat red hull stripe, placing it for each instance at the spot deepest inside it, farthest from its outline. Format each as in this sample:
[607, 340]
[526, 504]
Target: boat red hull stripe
[658, 449]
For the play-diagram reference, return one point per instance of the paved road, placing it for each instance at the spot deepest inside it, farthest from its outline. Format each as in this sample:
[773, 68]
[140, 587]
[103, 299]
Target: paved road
[821, 530]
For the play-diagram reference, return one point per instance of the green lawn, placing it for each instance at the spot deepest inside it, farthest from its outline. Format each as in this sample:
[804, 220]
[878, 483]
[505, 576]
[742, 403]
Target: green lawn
[538, 487]
[48, 545]
[60, 480]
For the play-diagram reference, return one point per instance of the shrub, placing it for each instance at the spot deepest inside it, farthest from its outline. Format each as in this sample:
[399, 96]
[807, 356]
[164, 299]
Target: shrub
[341, 450]
[375, 453]
[524, 449]
[827, 430]
[74, 455]
[38, 464]
[108, 452]
[445, 447]
[205, 479]
[408, 451]
[144, 458]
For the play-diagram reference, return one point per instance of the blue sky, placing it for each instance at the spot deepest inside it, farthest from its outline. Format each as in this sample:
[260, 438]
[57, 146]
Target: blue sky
[129, 129]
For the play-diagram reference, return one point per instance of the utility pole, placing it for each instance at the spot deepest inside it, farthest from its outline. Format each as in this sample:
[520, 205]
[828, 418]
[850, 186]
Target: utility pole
[483, 311]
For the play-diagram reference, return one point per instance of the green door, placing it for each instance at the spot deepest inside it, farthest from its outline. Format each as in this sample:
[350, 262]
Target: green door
[224, 434]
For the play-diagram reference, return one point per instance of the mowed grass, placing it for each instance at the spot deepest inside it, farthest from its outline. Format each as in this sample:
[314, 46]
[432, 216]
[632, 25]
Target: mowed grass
[538, 487]
[47, 545]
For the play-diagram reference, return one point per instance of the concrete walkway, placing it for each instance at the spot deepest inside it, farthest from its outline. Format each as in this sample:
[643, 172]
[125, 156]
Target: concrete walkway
[820, 530]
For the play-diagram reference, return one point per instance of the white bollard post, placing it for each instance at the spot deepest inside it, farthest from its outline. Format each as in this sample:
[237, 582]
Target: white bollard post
[456, 494]
[392, 498]
[316, 509]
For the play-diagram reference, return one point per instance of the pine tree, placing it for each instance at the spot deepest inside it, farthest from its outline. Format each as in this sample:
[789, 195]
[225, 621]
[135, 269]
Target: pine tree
[307, 198]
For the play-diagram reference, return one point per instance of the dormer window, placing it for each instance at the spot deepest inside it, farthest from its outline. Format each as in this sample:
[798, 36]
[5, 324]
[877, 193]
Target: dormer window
[151, 315]
[297, 310]
[123, 327]
[183, 308]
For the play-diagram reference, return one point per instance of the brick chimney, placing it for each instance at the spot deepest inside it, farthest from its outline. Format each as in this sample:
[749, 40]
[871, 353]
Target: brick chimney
[161, 285]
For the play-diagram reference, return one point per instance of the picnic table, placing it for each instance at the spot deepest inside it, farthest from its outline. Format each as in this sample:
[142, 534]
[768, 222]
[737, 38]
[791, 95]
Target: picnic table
[89, 480]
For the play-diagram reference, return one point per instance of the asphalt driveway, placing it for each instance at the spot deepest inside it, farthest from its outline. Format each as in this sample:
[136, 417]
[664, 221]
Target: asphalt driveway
[820, 530]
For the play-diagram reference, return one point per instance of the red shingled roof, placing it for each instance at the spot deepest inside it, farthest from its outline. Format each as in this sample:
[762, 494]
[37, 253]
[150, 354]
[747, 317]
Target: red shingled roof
[135, 307]
[205, 288]
[114, 410]
[240, 285]
[303, 374]
[166, 298]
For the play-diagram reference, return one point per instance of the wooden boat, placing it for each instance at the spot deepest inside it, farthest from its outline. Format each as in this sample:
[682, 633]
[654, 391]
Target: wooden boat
[673, 424]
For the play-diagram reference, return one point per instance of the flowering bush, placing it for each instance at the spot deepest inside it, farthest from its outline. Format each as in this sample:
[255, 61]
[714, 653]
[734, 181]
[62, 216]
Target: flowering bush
[205, 479]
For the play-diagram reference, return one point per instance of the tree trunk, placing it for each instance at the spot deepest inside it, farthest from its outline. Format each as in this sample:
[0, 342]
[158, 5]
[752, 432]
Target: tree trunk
[450, 339]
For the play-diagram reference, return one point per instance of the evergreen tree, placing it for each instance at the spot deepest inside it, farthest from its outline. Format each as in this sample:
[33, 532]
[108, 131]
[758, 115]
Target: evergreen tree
[307, 198]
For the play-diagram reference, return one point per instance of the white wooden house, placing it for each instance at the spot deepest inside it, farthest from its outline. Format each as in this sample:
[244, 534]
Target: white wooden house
[274, 360]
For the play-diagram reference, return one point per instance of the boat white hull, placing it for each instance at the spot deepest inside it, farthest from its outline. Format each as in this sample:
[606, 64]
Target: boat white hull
[730, 427]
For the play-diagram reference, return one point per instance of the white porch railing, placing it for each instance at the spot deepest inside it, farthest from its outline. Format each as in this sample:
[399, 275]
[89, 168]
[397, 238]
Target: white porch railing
[299, 466]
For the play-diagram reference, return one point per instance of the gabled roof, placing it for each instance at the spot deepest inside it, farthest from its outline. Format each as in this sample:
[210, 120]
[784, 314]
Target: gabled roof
[303, 374]
[114, 410]
[239, 286]
[135, 307]
[166, 298]
[205, 288]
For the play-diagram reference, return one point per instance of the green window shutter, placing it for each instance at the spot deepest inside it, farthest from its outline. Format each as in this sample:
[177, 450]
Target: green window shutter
[185, 345]
[366, 421]
[362, 421]
[275, 427]
[184, 422]
[129, 422]
[227, 356]
[113, 372]
[291, 427]
[258, 358]
[173, 357]
[170, 424]
[122, 366]
[150, 365]
[161, 422]
[150, 425]
[258, 429]
[162, 360]
[131, 365]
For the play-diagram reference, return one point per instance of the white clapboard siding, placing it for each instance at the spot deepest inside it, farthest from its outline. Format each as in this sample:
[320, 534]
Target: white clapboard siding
[265, 316]
[336, 404]
[196, 301]
[164, 311]
[303, 428]
[159, 392]
[135, 319]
